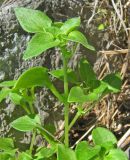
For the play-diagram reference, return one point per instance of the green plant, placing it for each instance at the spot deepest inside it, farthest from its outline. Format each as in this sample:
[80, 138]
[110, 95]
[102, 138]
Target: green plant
[86, 88]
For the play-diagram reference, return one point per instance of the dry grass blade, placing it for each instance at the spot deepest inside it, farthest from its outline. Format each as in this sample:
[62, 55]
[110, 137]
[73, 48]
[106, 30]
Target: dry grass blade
[119, 15]
[123, 138]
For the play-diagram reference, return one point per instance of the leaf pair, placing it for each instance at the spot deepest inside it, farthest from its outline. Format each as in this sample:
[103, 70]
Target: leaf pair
[102, 138]
[36, 76]
[82, 152]
[95, 88]
[29, 123]
[48, 34]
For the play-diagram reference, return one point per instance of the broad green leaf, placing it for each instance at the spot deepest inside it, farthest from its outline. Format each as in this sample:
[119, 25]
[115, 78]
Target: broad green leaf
[6, 144]
[5, 156]
[91, 97]
[44, 153]
[55, 31]
[108, 146]
[116, 154]
[16, 98]
[24, 156]
[71, 75]
[8, 83]
[85, 152]
[65, 153]
[26, 123]
[102, 135]
[78, 37]
[11, 152]
[113, 82]
[70, 24]
[102, 86]
[77, 95]
[87, 74]
[4, 93]
[40, 43]
[32, 20]
[98, 92]
[36, 76]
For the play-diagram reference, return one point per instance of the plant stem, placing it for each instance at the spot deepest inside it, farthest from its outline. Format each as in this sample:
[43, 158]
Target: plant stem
[32, 141]
[74, 120]
[78, 114]
[48, 136]
[91, 107]
[65, 76]
[26, 109]
[56, 93]
[67, 125]
[31, 108]
[66, 114]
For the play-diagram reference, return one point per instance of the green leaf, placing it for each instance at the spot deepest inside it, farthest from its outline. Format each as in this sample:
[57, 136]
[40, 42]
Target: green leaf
[116, 154]
[78, 37]
[77, 95]
[55, 31]
[65, 153]
[5, 156]
[8, 83]
[108, 146]
[16, 98]
[58, 24]
[32, 20]
[4, 93]
[87, 74]
[59, 73]
[36, 76]
[44, 153]
[26, 123]
[113, 82]
[40, 43]
[6, 144]
[91, 97]
[99, 91]
[101, 27]
[24, 156]
[102, 135]
[70, 24]
[85, 152]
[100, 88]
